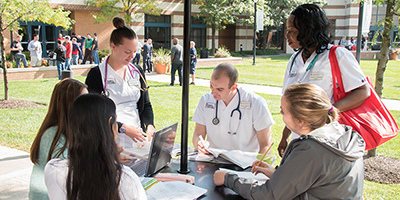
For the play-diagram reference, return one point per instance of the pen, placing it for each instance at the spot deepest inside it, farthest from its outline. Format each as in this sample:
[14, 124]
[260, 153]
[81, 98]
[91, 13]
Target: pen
[259, 162]
[202, 141]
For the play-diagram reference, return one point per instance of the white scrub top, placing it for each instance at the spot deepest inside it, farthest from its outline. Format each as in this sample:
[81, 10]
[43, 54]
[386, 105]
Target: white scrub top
[255, 117]
[125, 94]
[321, 73]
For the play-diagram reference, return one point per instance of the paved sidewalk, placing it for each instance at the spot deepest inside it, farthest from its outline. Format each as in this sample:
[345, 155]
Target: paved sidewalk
[16, 167]
[390, 104]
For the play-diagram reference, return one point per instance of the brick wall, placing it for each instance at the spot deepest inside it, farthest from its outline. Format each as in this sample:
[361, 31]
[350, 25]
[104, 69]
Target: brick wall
[85, 24]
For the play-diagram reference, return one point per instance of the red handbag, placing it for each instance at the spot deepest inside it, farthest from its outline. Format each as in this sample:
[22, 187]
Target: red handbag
[372, 120]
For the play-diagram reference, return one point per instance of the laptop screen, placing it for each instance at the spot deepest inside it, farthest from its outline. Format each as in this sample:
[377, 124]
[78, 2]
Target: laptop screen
[160, 150]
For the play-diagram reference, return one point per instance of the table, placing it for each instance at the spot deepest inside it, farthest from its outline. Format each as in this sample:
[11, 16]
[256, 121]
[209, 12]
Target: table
[203, 173]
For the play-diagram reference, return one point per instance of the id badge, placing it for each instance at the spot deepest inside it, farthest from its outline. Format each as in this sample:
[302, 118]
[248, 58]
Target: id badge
[292, 74]
[110, 81]
[244, 105]
[133, 82]
[316, 76]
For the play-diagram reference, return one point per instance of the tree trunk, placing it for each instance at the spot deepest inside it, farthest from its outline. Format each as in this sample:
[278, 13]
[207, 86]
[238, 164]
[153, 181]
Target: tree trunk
[3, 62]
[265, 38]
[386, 39]
[213, 40]
[383, 59]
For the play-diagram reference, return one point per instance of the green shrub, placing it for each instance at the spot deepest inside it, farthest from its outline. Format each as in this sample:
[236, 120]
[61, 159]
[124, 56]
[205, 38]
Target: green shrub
[103, 53]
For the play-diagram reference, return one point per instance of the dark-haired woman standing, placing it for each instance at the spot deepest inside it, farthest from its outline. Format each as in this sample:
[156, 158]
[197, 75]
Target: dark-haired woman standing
[308, 34]
[92, 170]
[125, 84]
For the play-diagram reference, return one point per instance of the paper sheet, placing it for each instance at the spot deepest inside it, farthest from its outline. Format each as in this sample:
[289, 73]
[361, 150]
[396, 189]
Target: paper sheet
[174, 190]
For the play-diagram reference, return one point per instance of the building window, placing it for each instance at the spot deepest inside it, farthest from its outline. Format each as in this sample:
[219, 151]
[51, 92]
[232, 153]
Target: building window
[158, 28]
[198, 32]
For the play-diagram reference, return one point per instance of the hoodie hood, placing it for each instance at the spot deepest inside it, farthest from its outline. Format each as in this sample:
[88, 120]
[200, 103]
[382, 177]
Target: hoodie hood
[340, 139]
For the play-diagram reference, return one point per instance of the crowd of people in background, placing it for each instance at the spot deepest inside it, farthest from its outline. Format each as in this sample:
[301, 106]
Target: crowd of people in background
[351, 43]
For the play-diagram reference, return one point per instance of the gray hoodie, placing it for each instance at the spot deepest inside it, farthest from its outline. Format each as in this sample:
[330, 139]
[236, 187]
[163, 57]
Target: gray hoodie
[325, 164]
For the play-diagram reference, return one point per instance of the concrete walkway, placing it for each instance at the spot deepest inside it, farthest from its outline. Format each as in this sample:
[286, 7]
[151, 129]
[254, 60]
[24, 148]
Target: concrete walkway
[16, 167]
[390, 104]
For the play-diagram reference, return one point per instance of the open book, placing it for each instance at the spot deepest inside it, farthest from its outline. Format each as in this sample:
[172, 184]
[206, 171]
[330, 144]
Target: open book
[240, 158]
[158, 190]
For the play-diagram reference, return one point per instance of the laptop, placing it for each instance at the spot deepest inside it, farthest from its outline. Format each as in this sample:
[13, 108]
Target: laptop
[159, 155]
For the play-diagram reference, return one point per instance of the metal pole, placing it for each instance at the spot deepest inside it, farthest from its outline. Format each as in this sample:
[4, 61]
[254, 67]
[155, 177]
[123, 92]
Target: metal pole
[185, 88]
[254, 38]
[359, 32]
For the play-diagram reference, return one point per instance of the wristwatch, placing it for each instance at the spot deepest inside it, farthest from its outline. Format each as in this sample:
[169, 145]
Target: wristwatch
[122, 129]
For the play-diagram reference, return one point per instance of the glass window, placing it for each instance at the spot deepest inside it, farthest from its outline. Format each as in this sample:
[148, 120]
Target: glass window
[50, 38]
[158, 28]
[198, 31]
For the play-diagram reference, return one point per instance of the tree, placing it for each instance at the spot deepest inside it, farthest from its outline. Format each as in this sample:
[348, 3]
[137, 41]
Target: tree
[276, 13]
[13, 11]
[111, 8]
[392, 8]
[216, 14]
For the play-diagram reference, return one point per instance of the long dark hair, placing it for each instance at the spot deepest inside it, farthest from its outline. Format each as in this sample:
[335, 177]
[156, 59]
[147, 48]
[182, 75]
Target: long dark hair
[313, 26]
[64, 93]
[94, 171]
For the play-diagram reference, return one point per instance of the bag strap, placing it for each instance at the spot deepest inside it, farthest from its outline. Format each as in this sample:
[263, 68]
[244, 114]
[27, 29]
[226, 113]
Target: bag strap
[338, 89]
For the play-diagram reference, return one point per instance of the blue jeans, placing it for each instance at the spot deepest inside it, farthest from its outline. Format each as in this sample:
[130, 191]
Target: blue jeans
[67, 64]
[60, 67]
[18, 57]
[136, 59]
[95, 54]
[75, 59]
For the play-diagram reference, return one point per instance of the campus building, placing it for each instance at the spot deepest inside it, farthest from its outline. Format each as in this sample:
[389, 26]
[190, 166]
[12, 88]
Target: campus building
[343, 15]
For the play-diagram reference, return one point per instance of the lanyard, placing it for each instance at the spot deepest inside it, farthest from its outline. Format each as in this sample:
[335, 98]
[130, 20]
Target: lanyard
[310, 66]
[130, 71]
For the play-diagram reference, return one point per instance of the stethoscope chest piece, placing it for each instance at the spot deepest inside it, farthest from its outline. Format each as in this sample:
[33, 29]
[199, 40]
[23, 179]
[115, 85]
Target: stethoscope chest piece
[105, 93]
[215, 121]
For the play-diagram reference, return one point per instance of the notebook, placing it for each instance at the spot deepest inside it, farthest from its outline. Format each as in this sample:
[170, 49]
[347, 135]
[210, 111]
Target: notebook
[159, 155]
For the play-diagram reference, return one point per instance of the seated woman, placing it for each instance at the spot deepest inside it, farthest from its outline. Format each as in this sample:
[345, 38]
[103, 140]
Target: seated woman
[51, 142]
[92, 170]
[325, 162]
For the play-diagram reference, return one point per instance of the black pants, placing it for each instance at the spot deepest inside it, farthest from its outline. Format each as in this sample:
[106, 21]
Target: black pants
[176, 67]
[88, 56]
[147, 64]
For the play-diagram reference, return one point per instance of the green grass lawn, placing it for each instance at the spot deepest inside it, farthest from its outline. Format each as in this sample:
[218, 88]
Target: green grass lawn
[18, 127]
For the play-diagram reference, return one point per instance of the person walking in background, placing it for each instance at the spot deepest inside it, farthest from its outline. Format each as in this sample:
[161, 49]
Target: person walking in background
[68, 53]
[88, 49]
[176, 61]
[147, 48]
[342, 41]
[136, 59]
[95, 49]
[308, 34]
[76, 52]
[60, 57]
[193, 60]
[60, 37]
[16, 49]
[35, 49]
[81, 41]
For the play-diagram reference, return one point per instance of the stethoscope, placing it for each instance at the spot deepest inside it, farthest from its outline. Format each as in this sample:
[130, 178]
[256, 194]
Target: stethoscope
[215, 121]
[106, 93]
[310, 66]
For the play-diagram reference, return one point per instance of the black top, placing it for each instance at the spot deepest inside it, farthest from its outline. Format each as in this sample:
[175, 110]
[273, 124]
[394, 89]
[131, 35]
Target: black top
[147, 48]
[14, 45]
[61, 52]
[95, 85]
[95, 44]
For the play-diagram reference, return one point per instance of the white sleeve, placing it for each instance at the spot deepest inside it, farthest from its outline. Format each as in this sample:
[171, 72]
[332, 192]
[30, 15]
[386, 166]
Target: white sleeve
[130, 187]
[31, 47]
[262, 117]
[55, 178]
[352, 76]
[199, 114]
[285, 78]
